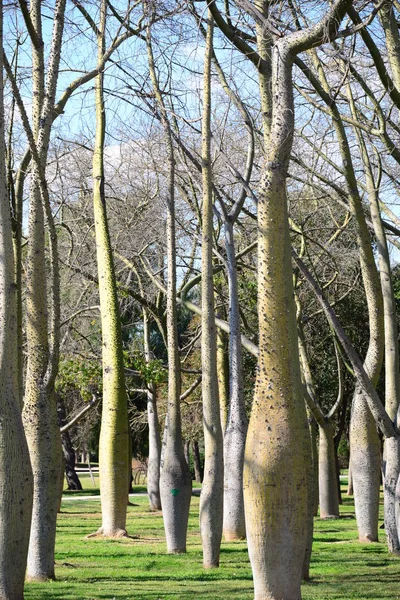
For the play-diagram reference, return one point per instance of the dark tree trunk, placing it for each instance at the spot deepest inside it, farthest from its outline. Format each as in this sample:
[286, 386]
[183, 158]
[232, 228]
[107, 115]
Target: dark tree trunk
[338, 437]
[198, 471]
[68, 450]
[69, 457]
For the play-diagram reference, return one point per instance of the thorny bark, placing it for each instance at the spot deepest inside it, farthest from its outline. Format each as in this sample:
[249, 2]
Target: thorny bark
[40, 413]
[114, 433]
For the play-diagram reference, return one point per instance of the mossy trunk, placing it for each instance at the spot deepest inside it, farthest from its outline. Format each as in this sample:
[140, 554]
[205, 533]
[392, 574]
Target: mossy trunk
[114, 440]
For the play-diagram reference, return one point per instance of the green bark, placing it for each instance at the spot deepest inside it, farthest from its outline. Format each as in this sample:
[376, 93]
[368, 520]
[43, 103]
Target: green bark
[114, 440]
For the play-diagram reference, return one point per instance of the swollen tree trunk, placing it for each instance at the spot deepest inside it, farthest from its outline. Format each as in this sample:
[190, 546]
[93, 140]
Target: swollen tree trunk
[211, 499]
[16, 483]
[114, 439]
[328, 492]
[154, 460]
[278, 444]
[234, 525]
[175, 480]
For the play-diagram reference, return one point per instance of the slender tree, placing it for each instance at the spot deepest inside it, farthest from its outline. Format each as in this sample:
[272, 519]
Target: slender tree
[392, 371]
[40, 411]
[114, 436]
[211, 501]
[175, 481]
[16, 482]
[154, 460]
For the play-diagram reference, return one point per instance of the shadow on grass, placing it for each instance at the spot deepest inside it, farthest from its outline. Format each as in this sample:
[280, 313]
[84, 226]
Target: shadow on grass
[149, 594]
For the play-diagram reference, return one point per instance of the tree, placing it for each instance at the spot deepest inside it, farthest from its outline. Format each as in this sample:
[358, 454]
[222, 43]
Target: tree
[211, 502]
[276, 460]
[114, 441]
[40, 412]
[175, 480]
[16, 482]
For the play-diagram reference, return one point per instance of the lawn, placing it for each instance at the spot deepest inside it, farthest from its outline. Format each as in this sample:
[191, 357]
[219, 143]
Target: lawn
[137, 568]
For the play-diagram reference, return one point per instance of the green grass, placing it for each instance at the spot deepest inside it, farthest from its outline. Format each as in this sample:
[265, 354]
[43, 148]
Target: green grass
[138, 568]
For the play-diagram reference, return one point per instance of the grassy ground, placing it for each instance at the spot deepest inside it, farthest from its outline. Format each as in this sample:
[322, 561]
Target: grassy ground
[138, 568]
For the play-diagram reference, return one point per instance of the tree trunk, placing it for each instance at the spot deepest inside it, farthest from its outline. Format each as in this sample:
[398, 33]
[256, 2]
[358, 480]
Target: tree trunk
[71, 476]
[328, 492]
[234, 524]
[211, 499]
[223, 377]
[198, 471]
[350, 490]
[46, 458]
[338, 486]
[392, 494]
[175, 480]
[366, 466]
[364, 441]
[16, 483]
[186, 451]
[392, 374]
[278, 444]
[154, 460]
[40, 411]
[314, 454]
[114, 442]
[17, 243]
[312, 498]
